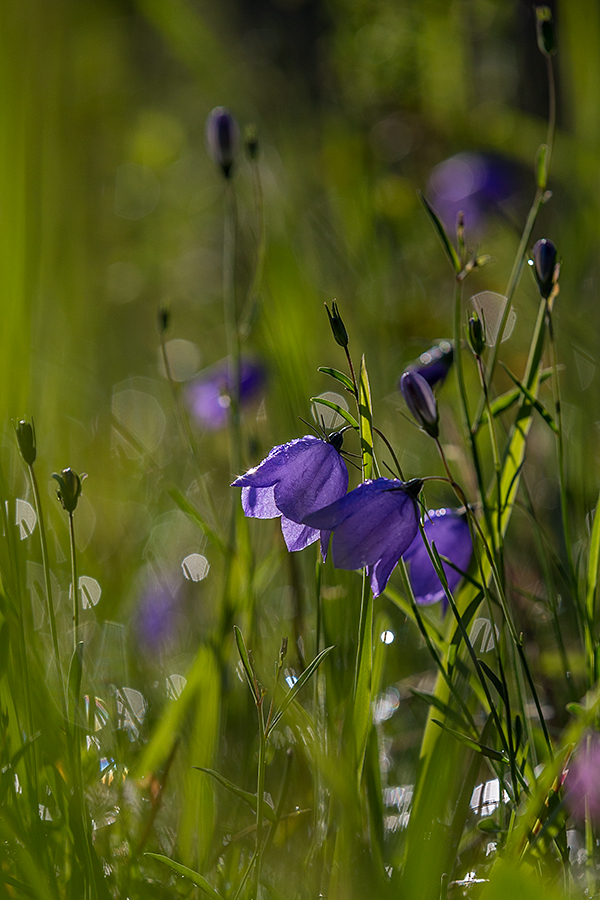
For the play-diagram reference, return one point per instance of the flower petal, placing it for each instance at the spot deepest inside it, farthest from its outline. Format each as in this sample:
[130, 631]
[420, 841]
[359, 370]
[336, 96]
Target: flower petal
[297, 536]
[449, 531]
[376, 521]
[313, 479]
[259, 503]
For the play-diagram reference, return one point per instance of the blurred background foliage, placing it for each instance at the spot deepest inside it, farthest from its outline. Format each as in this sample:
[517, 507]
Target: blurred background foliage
[110, 209]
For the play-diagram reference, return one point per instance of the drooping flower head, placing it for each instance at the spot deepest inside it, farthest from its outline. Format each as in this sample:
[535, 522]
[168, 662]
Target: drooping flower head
[207, 395]
[421, 401]
[372, 526]
[295, 480]
[449, 531]
[434, 364]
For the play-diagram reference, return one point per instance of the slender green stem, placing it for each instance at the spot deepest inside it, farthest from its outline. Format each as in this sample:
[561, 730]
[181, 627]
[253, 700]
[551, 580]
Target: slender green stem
[47, 578]
[260, 791]
[74, 586]
[232, 326]
[499, 541]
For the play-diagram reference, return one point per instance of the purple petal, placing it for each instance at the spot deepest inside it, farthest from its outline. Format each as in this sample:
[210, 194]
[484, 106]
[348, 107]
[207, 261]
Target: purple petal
[305, 474]
[373, 523]
[259, 503]
[297, 536]
[449, 531]
[315, 478]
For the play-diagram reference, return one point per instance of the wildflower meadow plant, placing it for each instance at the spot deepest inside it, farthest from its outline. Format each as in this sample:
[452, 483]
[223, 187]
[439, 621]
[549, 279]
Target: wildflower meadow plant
[402, 698]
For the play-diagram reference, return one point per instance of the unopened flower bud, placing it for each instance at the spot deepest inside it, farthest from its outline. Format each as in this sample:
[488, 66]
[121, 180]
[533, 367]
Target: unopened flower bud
[26, 440]
[70, 488]
[544, 27]
[421, 402]
[337, 326]
[476, 333]
[544, 263]
[222, 137]
[251, 142]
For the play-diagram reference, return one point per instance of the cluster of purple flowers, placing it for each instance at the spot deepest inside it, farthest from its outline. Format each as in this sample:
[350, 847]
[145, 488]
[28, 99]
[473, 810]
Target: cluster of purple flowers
[305, 483]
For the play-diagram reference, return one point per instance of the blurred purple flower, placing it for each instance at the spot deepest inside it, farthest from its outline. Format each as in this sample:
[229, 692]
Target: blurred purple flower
[474, 183]
[582, 781]
[295, 480]
[434, 364]
[372, 526]
[207, 394]
[449, 531]
[156, 615]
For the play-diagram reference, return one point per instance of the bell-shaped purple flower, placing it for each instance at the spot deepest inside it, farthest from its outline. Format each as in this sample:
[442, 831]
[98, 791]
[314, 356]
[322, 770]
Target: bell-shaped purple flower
[207, 395]
[372, 526]
[449, 531]
[434, 364]
[295, 480]
[421, 402]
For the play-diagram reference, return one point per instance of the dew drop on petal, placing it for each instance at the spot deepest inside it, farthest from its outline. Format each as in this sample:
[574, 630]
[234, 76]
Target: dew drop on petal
[25, 518]
[195, 567]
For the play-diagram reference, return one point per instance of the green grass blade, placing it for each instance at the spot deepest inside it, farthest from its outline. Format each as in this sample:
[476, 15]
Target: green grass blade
[365, 412]
[338, 409]
[298, 685]
[339, 376]
[195, 877]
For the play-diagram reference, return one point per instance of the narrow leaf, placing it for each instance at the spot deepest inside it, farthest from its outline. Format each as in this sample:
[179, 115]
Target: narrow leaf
[194, 877]
[338, 409]
[473, 744]
[494, 679]
[247, 796]
[505, 401]
[74, 678]
[448, 247]
[593, 563]
[365, 412]
[537, 404]
[302, 680]
[185, 506]
[339, 376]
[241, 645]
[432, 700]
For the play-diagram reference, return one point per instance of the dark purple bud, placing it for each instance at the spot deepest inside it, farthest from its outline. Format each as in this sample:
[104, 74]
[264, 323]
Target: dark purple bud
[337, 326]
[544, 28]
[26, 440]
[421, 402]
[222, 137]
[544, 264]
[434, 364]
[476, 333]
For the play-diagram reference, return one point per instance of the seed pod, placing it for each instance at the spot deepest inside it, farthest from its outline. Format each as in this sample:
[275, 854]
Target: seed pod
[70, 489]
[26, 440]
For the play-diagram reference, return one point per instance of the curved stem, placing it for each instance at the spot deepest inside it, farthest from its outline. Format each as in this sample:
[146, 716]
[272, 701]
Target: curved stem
[74, 586]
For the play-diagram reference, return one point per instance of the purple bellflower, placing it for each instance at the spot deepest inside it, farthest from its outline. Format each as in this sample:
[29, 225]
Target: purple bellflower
[207, 394]
[222, 136]
[449, 531]
[372, 526]
[434, 364]
[295, 480]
